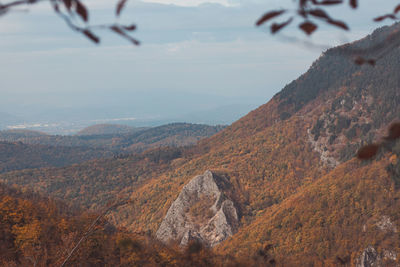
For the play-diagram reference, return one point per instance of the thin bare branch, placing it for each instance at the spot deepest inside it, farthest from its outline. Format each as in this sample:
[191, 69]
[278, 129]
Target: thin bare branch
[19, 3]
[90, 230]
[68, 11]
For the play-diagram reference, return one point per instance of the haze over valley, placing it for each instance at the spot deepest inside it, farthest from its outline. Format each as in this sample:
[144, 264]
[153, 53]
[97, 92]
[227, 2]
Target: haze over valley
[133, 109]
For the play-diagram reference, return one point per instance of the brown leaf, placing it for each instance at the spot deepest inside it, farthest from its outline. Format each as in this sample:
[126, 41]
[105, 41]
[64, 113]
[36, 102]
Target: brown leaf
[368, 151]
[308, 27]
[394, 131]
[388, 16]
[82, 11]
[67, 4]
[338, 23]
[269, 16]
[120, 6]
[319, 13]
[279, 26]
[130, 27]
[91, 36]
[330, 2]
[353, 3]
[397, 9]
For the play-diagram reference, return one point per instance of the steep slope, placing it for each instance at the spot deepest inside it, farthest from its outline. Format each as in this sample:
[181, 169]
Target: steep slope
[297, 190]
[276, 151]
[331, 220]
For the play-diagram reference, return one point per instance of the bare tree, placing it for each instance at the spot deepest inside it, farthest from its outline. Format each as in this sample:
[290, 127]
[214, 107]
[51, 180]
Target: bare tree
[76, 16]
[91, 229]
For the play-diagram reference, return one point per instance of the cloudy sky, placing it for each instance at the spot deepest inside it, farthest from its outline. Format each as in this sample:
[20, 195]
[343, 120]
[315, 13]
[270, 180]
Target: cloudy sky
[201, 50]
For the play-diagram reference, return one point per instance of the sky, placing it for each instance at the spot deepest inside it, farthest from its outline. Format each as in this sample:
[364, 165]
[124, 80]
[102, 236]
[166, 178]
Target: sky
[195, 55]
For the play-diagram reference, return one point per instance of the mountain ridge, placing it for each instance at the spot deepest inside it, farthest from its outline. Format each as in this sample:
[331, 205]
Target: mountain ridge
[107, 129]
[138, 140]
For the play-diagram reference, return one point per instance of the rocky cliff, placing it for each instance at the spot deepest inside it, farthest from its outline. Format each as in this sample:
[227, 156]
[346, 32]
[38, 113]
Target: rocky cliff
[201, 212]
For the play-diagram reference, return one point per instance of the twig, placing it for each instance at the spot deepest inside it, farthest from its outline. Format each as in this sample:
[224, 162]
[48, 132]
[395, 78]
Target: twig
[89, 231]
[66, 13]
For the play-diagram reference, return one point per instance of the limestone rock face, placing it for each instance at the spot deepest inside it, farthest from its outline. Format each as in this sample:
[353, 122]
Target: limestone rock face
[387, 256]
[201, 212]
[369, 258]
[385, 224]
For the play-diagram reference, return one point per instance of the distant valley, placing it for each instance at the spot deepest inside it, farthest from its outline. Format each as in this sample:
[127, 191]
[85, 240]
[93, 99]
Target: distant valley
[142, 111]
[21, 149]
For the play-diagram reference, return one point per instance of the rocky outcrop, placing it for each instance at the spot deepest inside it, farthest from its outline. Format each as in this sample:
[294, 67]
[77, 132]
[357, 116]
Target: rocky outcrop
[321, 147]
[369, 258]
[385, 224]
[202, 212]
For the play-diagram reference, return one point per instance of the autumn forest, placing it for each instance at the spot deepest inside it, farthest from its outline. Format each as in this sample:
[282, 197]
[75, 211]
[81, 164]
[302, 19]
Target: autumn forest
[310, 178]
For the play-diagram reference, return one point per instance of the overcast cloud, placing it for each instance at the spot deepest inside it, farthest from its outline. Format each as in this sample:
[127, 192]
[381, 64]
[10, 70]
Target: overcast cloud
[190, 46]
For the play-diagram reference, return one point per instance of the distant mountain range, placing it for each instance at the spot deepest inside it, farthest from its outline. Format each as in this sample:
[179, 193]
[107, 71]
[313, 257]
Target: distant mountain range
[108, 129]
[22, 149]
[133, 109]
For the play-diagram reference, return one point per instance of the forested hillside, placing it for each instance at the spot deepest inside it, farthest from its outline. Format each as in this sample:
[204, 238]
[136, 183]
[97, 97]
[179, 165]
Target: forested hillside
[18, 156]
[107, 129]
[117, 139]
[30, 149]
[300, 193]
[94, 183]
[38, 231]
[175, 134]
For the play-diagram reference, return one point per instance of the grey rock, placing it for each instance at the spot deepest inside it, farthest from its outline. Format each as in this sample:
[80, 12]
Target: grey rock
[389, 255]
[385, 224]
[369, 258]
[216, 221]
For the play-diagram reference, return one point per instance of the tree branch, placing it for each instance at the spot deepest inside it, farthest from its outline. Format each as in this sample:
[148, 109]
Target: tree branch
[90, 230]
[67, 9]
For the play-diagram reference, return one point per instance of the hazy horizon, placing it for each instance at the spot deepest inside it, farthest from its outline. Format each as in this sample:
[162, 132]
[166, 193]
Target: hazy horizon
[196, 57]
